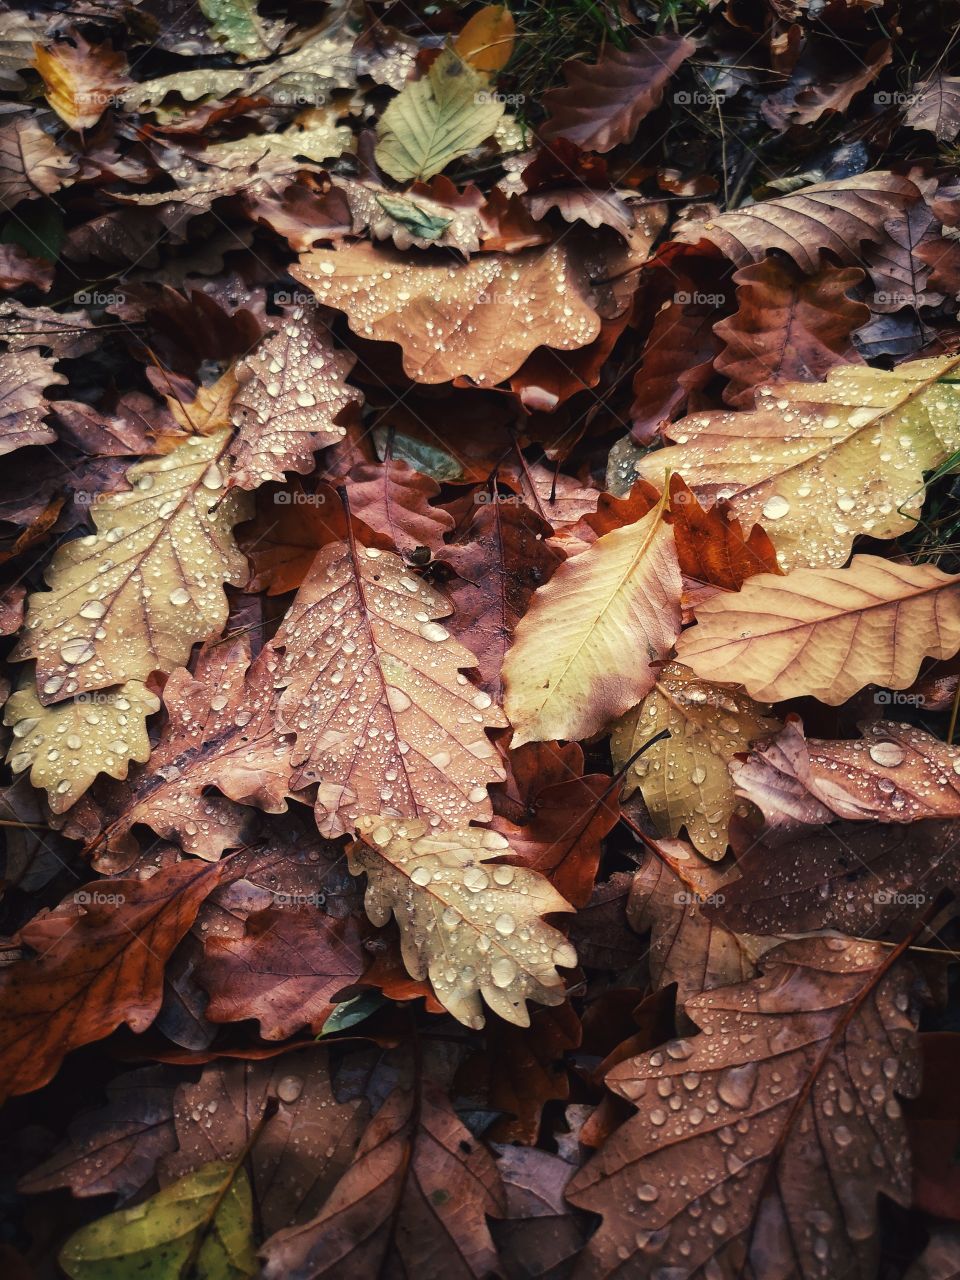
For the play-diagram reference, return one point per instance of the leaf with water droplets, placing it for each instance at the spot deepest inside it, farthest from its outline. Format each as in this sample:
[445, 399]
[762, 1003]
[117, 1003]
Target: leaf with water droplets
[135, 596]
[760, 1145]
[395, 500]
[894, 773]
[820, 463]
[65, 746]
[239, 28]
[24, 376]
[81, 80]
[31, 163]
[414, 1202]
[583, 651]
[202, 1224]
[97, 962]
[436, 119]
[827, 632]
[687, 946]
[480, 319]
[684, 779]
[385, 720]
[292, 391]
[473, 929]
[221, 736]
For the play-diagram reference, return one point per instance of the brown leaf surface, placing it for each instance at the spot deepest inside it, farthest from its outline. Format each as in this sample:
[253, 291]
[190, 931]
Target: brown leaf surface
[836, 216]
[602, 104]
[788, 1115]
[421, 1184]
[283, 972]
[96, 966]
[396, 501]
[827, 632]
[383, 716]
[31, 163]
[711, 546]
[894, 773]
[787, 326]
[81, 80]
[24, 376]
[480, 319]
[935, 106]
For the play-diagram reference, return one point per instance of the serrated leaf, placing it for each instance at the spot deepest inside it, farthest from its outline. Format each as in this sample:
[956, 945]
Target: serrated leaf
[827, 632]
[435, 120]
[65, 746]
[206, 1217]
[135, 596]
[238, 26]
[384, 718]
[31, 163]
[685, 779]
[820, 463]
[583, 651]
[472, 929]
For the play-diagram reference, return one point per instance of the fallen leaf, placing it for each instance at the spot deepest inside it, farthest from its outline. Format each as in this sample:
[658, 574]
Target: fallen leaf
[397, 502]
[384, 720]
[472, 929]
[31, 163]
[568, 674]
[769, 1059]
[935, 107]
[81, 80]
[711, 546]
[685, 779]
[24, 376]
[827, 632]
[480, 319]
[486, 41]
[602, 105]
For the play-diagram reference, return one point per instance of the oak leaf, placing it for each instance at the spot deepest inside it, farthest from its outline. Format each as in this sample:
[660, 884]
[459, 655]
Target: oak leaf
[712, 549]
[820, 463]
[283, 971]
[935, 106]
[473, 929]
[787, 325]
[894, 773]
[135, 597]
[80, 79]
[583, 651]
[99, 962]
[65, 746]
[384, 718]
[480, 319]
[31, 163]
[685, 779]
[239, 28]
[837, 216]
[292, 390]
[602, 105]
[415, 1198]
[24, 375]
[396, 501]
[827, 632]
[763, 1133]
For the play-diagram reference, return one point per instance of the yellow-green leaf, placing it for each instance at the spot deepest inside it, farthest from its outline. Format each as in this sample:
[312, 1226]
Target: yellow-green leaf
[434, 120]
[206, 1218]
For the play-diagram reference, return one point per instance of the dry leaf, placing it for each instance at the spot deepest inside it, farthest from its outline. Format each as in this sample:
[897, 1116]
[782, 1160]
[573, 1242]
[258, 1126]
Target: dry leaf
[81, 80]
[827, 632]
[31, 163]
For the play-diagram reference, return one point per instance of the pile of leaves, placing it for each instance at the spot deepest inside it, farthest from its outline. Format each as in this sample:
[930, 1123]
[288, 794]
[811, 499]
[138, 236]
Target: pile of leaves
[481, 597]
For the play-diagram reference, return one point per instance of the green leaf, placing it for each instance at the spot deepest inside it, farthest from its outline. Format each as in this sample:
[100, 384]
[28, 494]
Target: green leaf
[435, 120]
[428, 458]
[205, 1219]
[415, 218]
[349, 1012]
[237, 26]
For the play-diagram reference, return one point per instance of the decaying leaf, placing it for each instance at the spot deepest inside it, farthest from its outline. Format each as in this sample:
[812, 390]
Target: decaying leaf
[827, 632]
[65, 746]
[820, 463]
[384, 718]
[24, 375]
[473, 929]
[685, 779]
[479, 319]
[787, 1114]
[135, 597]
[81, 80]
[572, 668]
[31, 163]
